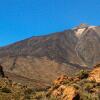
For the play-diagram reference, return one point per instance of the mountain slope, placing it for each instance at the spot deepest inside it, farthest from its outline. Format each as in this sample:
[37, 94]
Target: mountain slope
[53, 46]
[88, 46]
[46, 57]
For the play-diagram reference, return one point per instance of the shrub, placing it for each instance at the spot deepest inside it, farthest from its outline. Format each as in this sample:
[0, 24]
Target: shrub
[5, 90]
[76, 86]
[88, 86]
[53, 98]
[39, 95]
[28, 91]
[83, 74]
[88, 96]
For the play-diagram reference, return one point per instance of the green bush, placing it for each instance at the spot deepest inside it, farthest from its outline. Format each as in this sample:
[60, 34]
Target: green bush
[83, 74]
[88, 86]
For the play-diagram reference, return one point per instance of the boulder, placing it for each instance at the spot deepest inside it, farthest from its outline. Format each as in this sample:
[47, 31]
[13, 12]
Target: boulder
[70, 93]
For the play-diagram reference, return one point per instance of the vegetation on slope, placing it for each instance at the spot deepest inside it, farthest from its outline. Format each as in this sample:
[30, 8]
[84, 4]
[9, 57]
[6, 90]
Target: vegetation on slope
[84, 86]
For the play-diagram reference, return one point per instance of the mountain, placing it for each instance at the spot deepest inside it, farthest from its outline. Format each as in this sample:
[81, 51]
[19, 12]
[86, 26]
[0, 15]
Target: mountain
[43, 58]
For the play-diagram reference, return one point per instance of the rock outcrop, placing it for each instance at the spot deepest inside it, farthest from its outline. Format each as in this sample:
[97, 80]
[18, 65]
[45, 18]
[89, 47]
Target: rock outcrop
[76, 88]
[95, 74]
[66, 93]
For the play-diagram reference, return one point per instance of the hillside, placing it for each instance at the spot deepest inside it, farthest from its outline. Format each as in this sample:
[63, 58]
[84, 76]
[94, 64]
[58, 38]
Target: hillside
[46, 57]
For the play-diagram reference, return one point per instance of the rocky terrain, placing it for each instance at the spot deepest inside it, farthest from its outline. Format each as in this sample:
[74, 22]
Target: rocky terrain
[85, 85]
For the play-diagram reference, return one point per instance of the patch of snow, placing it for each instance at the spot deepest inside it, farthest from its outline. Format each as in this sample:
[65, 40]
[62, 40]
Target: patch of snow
[92, 27]
[78, 32]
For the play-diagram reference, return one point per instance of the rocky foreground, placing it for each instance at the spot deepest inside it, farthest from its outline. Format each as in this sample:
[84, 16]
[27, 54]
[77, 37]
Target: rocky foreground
[84, 86]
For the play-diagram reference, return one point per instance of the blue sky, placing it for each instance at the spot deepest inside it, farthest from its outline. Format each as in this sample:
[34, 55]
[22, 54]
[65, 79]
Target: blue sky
[20, 19]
